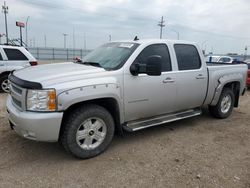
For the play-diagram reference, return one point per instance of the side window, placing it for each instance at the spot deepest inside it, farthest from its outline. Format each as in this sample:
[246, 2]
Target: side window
[225, 60]
[1, 58]
[156, 49]
[188, 57]
[14, 54]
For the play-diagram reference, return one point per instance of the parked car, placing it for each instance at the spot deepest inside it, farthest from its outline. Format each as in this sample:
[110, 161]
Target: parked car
[13, 58]
[248, 74]
[220, 59]
[122, 86]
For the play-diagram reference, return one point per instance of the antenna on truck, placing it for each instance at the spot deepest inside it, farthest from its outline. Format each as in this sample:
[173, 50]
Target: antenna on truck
[136, 38]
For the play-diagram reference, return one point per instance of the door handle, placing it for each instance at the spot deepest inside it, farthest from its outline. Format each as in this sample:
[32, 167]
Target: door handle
[168, 80]
[200, 76]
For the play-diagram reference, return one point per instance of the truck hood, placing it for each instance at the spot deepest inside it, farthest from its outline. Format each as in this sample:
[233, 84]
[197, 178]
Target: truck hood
[52, 74]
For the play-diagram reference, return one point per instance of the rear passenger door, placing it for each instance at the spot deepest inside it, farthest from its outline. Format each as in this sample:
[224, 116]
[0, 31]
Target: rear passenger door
[16, 59]
[191, 77]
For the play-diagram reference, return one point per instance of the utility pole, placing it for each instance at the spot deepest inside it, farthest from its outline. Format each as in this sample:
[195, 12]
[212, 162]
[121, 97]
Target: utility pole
[85, 45]
[26, 31]
[161, 24]
[64, 39]
[5, 10]
[110, 38]
[74, 42]
[34, 42]
[45, 41]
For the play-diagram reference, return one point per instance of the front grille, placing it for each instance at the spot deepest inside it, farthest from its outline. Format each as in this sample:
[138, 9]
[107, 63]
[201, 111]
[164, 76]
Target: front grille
[17, 102]
[17, 90]
[18, 96]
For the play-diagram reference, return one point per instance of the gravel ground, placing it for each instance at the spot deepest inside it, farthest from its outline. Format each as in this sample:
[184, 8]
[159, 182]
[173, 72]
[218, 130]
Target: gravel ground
[197, 152]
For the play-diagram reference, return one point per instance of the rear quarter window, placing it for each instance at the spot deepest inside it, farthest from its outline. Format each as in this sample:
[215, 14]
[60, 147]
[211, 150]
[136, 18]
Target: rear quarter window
[187, 56]
[14, 54]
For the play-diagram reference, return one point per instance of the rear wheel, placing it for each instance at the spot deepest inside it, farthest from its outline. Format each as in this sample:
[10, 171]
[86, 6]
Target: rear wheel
[224, 107]
[88, 131]
[4, 83]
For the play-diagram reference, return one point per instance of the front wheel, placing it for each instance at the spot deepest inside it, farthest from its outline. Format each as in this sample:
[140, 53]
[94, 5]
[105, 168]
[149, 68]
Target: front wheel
[224, 107]
[88, 131]
[4, 83]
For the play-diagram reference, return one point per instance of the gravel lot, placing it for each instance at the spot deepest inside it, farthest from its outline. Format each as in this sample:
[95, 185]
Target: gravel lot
[197, 152]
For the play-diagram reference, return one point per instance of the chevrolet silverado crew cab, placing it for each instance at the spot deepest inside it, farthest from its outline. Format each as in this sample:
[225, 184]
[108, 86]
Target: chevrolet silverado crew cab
[13, 58]
[120, 86]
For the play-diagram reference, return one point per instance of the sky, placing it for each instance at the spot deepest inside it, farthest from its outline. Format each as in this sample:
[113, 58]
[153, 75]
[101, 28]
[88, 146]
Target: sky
[218, 26]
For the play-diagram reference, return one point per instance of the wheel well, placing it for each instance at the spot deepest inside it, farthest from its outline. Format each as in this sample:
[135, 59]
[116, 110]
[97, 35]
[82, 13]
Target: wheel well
[109, 104]
[5, 73]
[235, 86]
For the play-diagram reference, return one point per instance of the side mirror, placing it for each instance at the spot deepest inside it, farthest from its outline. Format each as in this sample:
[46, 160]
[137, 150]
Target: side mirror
[153, 67]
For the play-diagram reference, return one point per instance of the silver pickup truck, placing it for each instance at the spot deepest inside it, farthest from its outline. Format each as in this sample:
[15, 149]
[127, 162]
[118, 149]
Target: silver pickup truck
[120, 86]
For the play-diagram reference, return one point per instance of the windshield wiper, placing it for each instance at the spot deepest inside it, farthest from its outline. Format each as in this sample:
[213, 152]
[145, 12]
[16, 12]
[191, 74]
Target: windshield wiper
[95, 64]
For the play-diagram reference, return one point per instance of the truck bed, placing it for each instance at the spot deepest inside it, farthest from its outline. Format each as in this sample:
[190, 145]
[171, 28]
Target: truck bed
[223, 72]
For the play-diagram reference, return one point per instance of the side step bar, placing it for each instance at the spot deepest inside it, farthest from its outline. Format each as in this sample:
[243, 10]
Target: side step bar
[145, 123]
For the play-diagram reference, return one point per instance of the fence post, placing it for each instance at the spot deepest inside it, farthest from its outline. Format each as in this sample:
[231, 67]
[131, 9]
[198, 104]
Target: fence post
[37, 53]
[53, 53]
[67, 54]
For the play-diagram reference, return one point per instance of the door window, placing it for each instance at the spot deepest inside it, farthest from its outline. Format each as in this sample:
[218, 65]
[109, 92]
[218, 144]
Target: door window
[14, 54]
[156, 49]
[225, 60]
[188, 57]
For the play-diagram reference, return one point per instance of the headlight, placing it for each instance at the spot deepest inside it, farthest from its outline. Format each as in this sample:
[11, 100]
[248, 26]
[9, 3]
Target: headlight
[41, 100]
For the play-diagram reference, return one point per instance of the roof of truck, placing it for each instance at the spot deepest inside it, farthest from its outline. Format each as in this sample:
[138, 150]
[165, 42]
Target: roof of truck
[146, 41]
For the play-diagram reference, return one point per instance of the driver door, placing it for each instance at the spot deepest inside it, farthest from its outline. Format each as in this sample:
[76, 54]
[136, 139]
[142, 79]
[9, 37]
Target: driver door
[146, 96]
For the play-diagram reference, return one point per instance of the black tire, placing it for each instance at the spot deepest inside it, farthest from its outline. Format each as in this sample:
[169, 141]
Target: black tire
[216, 110]
[2, 79]
[71, 126]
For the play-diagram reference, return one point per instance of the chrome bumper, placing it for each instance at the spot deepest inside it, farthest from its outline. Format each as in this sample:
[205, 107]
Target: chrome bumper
[33, 125]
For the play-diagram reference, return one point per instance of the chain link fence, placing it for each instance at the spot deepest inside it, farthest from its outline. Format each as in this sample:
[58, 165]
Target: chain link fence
[57, 53]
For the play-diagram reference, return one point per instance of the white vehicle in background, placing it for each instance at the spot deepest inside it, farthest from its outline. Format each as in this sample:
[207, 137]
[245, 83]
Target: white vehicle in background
[13, 58]
[220, 59]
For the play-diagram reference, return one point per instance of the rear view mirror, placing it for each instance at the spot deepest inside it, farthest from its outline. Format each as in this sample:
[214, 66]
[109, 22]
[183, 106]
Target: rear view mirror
[153, 67]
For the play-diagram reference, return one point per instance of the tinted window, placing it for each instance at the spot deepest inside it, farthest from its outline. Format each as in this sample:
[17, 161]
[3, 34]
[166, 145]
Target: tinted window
[225, 60]
[187, 56]
[14, 54]
[1, 58]
[156, 49]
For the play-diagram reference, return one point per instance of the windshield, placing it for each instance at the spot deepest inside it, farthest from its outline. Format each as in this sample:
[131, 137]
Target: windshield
[111, 56]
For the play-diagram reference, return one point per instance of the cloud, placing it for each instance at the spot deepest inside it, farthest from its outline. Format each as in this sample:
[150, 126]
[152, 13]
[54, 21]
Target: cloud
[220, 22]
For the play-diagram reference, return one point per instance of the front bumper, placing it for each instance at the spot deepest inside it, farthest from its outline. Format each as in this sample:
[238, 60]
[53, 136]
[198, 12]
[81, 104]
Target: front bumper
[34, 125]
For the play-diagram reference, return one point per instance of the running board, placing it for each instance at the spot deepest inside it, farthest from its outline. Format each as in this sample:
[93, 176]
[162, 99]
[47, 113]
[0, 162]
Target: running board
[143, 124]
